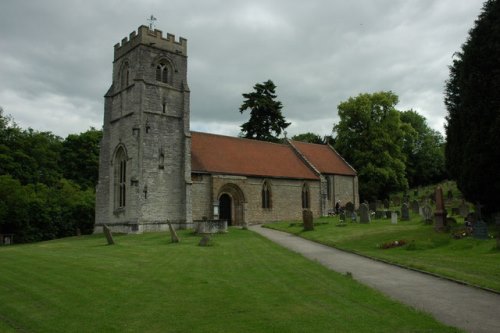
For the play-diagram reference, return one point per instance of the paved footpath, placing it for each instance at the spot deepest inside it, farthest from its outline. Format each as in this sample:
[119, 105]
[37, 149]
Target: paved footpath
[471, 309]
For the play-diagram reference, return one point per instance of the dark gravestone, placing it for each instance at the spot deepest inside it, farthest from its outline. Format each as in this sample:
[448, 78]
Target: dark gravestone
[386, 203]
[173, 235]
[108, 234]
[364, 213]
[405, 212]
[427, 213]
[307, 220]
[480, 230]
[415, 206]
[440, 213]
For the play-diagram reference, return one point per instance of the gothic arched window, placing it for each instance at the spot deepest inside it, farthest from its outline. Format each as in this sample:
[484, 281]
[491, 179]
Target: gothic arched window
[305, 196]
[162, 72]
[120, 177]
[266, 195]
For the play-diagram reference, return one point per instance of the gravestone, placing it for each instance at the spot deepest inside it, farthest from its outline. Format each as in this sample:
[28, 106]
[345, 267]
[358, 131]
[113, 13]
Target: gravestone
[405, 212]
[108, 234]
[480, 228]
[463, 209]
[364, 213]
[427, 213]
[354, 217]
[394, 218]
[173, 235]
[440, 213]
[415, 207]
[307, 220]
[386, 203]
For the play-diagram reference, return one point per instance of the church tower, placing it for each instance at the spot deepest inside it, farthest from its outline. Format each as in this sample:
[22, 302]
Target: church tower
[145, 157]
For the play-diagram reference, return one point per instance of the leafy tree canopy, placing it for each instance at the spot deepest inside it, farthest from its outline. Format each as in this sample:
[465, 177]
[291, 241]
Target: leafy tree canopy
[266, 120]
[370, 136]
[473, 104]
[308, 137]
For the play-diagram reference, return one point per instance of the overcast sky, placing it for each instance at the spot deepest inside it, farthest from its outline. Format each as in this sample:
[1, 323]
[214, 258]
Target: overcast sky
[56, 56]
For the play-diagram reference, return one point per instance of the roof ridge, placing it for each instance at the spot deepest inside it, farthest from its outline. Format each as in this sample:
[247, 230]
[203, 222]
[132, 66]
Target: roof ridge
[240, 138]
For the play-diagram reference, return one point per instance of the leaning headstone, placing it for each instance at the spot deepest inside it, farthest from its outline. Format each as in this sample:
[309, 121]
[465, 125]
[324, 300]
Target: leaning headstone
[415, 207]
[394, 218]
[364, 213]
[427, 213]
[307, 220]
[173, 235]
[440, 213]
[463, 209]
[108, 234]
[405, 212]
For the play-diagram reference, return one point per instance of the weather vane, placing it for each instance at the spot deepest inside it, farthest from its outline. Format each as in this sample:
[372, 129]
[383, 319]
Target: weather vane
[152, 20]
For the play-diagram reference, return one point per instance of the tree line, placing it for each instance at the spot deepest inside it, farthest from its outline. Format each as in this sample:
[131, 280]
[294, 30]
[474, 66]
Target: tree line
[391, 150]
[47, 184]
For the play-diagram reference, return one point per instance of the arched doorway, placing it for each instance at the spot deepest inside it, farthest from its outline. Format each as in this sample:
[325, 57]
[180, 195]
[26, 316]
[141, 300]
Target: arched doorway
[231, 204]
[225, 204]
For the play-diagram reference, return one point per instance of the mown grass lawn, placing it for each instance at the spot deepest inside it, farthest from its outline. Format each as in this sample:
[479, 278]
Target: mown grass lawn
[467, 259]
[243, 283]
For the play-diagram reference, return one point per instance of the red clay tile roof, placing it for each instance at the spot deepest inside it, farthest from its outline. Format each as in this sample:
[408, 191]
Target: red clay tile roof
[213, 153]
[324, 158]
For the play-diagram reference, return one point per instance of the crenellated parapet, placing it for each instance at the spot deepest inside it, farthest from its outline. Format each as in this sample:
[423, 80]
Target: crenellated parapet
[154, 38]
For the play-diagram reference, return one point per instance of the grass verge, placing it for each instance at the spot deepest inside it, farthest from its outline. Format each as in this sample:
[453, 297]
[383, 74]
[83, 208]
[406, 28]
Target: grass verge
[243, 283]
[470, 260]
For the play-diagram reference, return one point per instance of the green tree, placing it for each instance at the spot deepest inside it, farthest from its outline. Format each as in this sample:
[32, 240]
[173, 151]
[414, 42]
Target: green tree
[424, 152]
[308, 137]
[473, 120]
[266, 120]
[80, 153]
[370, 137]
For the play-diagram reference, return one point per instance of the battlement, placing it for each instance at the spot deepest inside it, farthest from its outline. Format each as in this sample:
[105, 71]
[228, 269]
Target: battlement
[151, 38]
